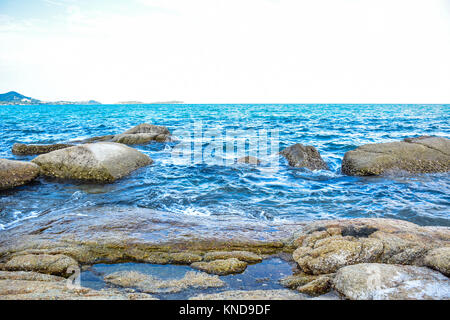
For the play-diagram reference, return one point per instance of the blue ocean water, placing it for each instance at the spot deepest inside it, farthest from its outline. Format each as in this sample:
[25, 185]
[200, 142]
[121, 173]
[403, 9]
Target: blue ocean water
[243, 190]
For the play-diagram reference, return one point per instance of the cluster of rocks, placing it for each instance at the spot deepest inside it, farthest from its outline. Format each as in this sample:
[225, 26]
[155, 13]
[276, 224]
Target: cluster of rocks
[106, 160]
[355, 258]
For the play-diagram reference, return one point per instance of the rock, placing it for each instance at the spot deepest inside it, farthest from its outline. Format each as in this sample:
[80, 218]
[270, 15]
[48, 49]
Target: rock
[43, 263]
[373, 281]
[439, 259]
[326, 246]
[103, 234]
[36, 286]
[415, 155]
[149, 284]
[246, 256]
[148, 128]
[221, 267]
[295, 281]
[252, 295]
[29, 149]
[141, 134]
[16, 173]
[249, 160]
[101, 162]
[299, 155]
[318, 286]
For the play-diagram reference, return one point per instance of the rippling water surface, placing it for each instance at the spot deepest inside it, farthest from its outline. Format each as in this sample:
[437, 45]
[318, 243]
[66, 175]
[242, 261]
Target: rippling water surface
[260, 192]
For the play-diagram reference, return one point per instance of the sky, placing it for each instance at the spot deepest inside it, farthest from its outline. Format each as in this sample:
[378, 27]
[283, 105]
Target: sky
[227, 51]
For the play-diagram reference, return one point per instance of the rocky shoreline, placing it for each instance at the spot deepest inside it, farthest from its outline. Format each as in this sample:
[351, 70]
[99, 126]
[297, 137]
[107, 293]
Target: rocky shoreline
[326, 256]
[352, 258]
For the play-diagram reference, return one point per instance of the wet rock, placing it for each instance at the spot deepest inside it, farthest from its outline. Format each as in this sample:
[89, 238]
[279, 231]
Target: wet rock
[249, 160]
[326, 246]
[391, 282]
[295, 281]
[29, 149]
[439, 259]
[252, 295]
[149, 284]
[141, 134]
[16, 173]
[148, 128]
[36, 286]
[119, 234]
[43, 263]
[299, 155]
[415, 155]
[101, 162]
[245, 256]
[221, 267]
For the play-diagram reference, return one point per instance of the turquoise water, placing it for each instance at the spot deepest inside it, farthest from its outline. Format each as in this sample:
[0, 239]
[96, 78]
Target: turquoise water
[259, 192]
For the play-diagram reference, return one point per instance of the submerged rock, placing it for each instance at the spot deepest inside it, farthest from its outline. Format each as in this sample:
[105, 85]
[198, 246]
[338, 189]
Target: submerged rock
[299, 155]
[326, 246]
[101, 162]
[282, 294]
[221, 267]
[16, 173]
[249, 160]
[29, 149]
[35, 286]
[439, 259]
[415, 155]
[149, 284]
[43, 263]
[373, 281]
[245, 256]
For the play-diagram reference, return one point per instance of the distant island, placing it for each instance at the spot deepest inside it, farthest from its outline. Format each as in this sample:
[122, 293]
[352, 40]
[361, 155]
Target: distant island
[15, 98]
[158, 102]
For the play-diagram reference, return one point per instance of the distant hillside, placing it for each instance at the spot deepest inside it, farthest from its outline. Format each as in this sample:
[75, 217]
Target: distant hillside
[13, 97]
[16, 98]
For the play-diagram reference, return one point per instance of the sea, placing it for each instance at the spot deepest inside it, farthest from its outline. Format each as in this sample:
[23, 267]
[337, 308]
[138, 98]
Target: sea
[194, 175]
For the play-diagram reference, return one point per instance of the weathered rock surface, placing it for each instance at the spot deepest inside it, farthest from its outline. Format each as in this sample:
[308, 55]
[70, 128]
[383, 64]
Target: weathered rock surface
[369, 281]
[249, 160]
[149, 284]
[16, 173]
[245, 256]
[43, 263]
[140, 134]
[221, 267]
[101, 162]
[29, 149]
[252, 295]
[326, 246]
[114, 235]
[415, 155]
[299, 155]
[439, 259]
[309, 284]
[35, 286]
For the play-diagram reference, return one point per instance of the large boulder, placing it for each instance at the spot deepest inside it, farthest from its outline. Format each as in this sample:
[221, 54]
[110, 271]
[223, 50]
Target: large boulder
[16, 173]
[424, 154]
[102, 162]
[374, 281]
[28, 149]
[140, 134]
[299, 155]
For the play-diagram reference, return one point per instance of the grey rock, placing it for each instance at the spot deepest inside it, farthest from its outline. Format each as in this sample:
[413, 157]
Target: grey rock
[299, 155]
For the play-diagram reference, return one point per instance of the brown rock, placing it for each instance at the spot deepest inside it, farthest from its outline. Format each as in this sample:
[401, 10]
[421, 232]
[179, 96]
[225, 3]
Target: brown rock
[246, 256]
[42, 263]
[439, 259]
[221, 267]
[16, 173]
[29, 149]
[299, 155]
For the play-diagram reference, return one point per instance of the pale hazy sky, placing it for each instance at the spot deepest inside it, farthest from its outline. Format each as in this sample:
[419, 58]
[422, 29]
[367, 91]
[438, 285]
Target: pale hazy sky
[227, 51]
